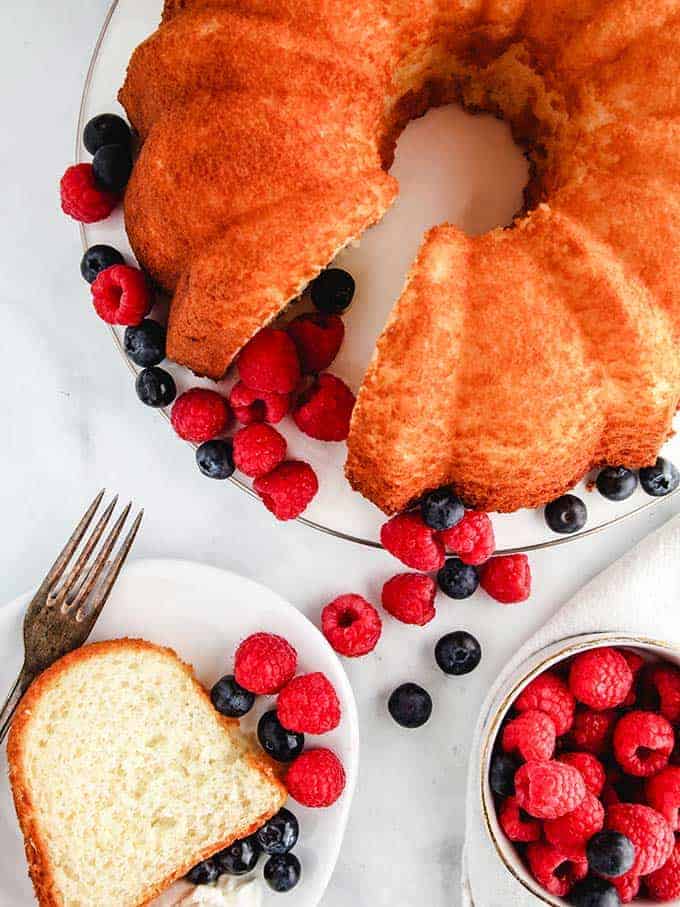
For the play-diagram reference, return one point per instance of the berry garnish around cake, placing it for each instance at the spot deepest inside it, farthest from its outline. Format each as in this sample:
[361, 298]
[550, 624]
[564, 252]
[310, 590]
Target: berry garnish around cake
[332, 291]
[282, 872]
[112, 167]
[280, 834]
[616, 483]
[276, 740]
[442, 509]
[318, 339]
[316, 778]
[121, 295]
[456, 579]
[106, 129]
[660, 479]
[507, 579]
[82, 198]
[239, 858]
[566, 515]
[155, 387]
[144, 343]
[231, 699]
[215, 458]
[97, 259]
[200, 414]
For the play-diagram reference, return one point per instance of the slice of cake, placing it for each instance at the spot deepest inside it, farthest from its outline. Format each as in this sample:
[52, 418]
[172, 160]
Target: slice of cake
[124, 776]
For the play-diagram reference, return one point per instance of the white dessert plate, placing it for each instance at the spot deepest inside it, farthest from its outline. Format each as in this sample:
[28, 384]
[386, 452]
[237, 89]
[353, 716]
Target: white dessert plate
[202, 612]
[451, 166]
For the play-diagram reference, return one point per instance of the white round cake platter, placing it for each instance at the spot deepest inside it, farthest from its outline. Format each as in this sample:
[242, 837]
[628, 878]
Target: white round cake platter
[451, 166]
[202, 613]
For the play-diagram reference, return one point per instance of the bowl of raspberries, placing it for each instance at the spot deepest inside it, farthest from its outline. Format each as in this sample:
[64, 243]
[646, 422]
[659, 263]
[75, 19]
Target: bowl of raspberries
[581, 774]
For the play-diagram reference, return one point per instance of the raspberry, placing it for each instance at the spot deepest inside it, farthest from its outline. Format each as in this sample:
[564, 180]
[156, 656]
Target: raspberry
[408, 538]
[199, 415]
[548, 790]
[666, 681]
[516, 824]
[287, 490]
[410, 598]
[351, 625]
[121, 295]
[325, 410]
[264, 663]
[643, 742]
[553, 870]
[609, 795]
[318, 338]
[571, 832]
[627, 885]
[316, 778]
[600, 678]
[651, 835]
[472, 539]
[309, 705]
[532, 735]
[663, 794]
[257, 406]
[591, 770]
[592, 731]
[258, 448]
[634, 661]
[664, 883]
[82, 199]
[507, 579]
[269, 362]
[549, 694]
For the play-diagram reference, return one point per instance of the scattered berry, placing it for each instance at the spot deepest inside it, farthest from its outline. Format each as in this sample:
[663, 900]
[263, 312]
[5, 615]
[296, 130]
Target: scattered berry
[258, 448]
[82, 199]
[665, 679]
[627, 887]
[610, 854]
[502, 774]
[410, 598]
[663, 794]
[592, 731]
[279, 834]
[593, 892]
[517, 825]
[643, 743]
[317, 338]
[239, 858]
[269, 362]
[651, 835]
[204, 873]
[316, 778]
[458, 653]
[230, 699]
[660, 479]
[155, 387]
[472, 539]
[145, 343]
[408, 538]
[442, 509]
[507, 579]
[215, 459]
[106, 129]
[282, 872]
[549, 693]
[616, 483]
[264, 663]
[121, 295]
[287, 490]
[553, 870]
[566, 515]
[112, 166]
[410, 705]
[531, 735]
[351, 625]
[279, 743]
[97, 259]
[199, 414]
[456, 579]
[664, 884]
[548, 790]
[600, 678]
[309, 705]
[332, 291]
[571, 832]
[255, 406]
[590, 767]
[325, 410]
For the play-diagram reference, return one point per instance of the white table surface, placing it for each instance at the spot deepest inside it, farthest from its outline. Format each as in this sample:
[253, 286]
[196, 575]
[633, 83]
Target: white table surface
[71, 424]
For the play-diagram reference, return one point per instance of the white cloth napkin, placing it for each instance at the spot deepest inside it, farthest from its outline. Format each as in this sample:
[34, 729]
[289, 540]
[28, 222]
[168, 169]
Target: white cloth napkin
[638, 594]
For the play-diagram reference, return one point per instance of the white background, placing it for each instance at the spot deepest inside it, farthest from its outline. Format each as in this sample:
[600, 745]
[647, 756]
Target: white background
[71, 424]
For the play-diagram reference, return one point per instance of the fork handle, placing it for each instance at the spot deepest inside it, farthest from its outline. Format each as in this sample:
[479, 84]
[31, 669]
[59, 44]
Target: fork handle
[11, 703]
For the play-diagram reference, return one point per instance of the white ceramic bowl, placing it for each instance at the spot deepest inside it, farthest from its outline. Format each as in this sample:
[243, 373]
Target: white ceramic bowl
[537, 664]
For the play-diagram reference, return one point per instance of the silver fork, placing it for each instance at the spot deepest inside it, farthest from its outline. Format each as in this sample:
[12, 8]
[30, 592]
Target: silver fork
[61, 615]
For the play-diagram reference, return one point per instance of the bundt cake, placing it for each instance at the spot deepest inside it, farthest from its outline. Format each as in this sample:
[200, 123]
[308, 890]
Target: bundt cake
[514, 361]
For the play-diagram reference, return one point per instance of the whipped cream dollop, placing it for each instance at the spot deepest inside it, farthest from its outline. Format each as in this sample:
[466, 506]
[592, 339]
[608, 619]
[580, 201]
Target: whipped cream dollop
[226, 892]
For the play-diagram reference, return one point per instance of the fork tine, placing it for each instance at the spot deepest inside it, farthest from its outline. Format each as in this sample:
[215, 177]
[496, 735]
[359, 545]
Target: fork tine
[58, 567]
[78, 569]
[96, 568]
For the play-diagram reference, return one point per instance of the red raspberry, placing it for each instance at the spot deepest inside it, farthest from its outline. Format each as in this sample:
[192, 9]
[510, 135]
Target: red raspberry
[643, 743]
[634, 661]
[592, 731]
[408, 538]
[410, 598]
[548, 693]
[553, 870]
[199, 415]
[651, 835]
[532, 735]
[591, 769]
[316, 778]
[548, 790]
[82, 199]
[516, 824]
[507, 579]
[287, 490]
[269, 362]
[264, 663]
[318, 338]
[472, 539]
[666, 681]
[121, 295]
[256, 406]
[609, 795]
[663, 794]
[571, 832]
[325, 410]
[627, 885]
[309, 705]
[258, 448]
[600, 678]
[351, 625]
[664, 883]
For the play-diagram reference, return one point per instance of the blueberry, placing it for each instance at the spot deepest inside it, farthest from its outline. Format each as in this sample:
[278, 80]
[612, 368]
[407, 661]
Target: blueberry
[458, 653]
[145, 343]
[616, 483]
[594, 892]
[660, 479]
[610, 854]
[276, 741]
[441, 509]
[112, 166]
[332, 291]
[97, 259]
[155, 387]
[106, 129]
[239, 858]
[502, 774]
[282, 872]
[204, 873]
[566, 515]
[280, 834]
[410, 705]
[456, 579]
[215, 459]
[230, 699]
